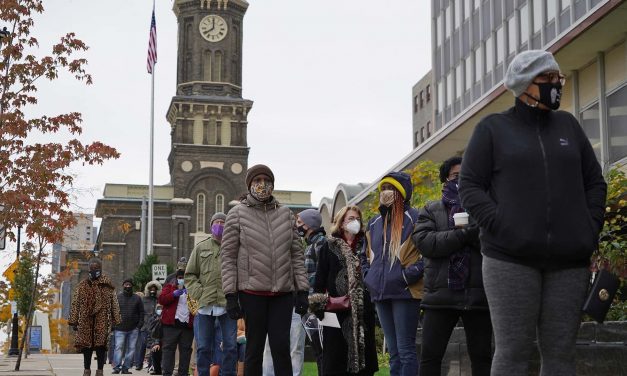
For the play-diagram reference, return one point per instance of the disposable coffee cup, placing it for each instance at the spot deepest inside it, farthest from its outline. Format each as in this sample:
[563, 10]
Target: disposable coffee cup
[460, 219]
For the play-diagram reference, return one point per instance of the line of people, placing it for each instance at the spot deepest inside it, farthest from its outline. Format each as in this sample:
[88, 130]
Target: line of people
[532, 195]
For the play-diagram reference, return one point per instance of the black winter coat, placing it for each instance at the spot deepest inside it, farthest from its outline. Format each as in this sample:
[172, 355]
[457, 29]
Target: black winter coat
[132, 312]
[531, 180]
[437, 242]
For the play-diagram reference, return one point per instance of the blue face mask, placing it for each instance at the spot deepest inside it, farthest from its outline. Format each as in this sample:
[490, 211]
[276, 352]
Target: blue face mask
[181, 282]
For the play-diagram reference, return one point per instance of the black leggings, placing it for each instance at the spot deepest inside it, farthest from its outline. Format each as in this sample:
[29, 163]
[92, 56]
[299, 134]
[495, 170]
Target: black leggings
[101, 355]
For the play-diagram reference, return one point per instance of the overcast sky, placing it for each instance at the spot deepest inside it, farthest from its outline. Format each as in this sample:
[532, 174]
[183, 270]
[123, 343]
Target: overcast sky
[330, 79]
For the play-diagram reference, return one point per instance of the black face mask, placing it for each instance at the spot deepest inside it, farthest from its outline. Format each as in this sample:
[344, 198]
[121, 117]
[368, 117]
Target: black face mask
[301, 231]
[94, 274]
[550, 94]
[128, 290]
[153, 293]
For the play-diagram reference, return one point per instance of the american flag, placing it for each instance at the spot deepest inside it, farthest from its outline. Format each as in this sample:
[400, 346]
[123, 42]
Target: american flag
[152, 43]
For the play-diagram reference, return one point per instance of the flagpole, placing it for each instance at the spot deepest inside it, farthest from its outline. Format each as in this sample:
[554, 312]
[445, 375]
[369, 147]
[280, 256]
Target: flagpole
[150, 174]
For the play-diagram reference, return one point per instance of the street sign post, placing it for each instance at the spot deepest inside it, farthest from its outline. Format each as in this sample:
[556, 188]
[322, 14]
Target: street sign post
[159, 272]
[3, 238]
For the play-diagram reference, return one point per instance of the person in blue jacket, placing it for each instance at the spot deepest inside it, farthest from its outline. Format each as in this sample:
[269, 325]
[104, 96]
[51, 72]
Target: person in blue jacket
[393, 268]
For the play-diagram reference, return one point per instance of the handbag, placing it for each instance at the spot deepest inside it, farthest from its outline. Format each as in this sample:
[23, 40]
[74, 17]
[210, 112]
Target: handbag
[601, 295]
[338, 304]
[192, 305]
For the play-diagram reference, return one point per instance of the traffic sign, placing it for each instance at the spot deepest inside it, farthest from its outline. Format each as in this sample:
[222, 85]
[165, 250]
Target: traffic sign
[159, 272]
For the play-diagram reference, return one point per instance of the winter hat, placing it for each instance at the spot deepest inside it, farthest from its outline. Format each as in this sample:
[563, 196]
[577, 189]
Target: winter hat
[128, 280]
[525, 67]
[311, 217]
[218, 215]
[258, 170]
[401, 181]
[182, 264]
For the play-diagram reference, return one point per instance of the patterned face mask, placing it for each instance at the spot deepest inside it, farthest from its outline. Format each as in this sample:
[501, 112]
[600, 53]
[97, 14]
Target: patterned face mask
[261, 191]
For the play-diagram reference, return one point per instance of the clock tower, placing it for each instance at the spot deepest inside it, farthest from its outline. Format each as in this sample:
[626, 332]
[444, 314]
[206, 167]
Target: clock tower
[208, 116]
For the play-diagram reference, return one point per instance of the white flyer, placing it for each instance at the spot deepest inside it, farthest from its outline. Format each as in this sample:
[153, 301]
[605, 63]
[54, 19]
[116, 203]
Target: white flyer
[330, 319]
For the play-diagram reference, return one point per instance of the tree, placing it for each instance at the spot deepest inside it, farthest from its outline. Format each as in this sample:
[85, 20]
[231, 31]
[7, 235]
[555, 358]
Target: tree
[35, 181]
[143, 275]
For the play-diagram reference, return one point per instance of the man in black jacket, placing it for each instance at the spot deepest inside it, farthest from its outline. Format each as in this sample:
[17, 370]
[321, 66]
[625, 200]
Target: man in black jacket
[125, 334]
[453, 286]
[531, 180]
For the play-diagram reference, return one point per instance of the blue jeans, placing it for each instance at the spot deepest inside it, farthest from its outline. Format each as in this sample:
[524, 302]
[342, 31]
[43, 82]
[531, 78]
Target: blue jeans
[140, 349]
[399, 320]
[121, 339]
[297, 349]
[205, 332]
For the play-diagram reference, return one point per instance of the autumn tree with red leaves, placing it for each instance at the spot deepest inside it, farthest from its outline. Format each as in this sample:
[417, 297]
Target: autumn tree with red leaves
[35, 178]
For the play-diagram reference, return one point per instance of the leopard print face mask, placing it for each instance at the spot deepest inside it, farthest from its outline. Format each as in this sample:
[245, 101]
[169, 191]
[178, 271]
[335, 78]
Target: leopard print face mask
[261, 191]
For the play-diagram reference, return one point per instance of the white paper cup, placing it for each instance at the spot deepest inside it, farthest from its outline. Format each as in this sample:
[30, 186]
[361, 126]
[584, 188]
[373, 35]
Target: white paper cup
[460, 219]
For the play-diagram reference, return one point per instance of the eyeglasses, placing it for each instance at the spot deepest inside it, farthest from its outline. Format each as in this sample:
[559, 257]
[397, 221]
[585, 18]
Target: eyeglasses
[552, 77]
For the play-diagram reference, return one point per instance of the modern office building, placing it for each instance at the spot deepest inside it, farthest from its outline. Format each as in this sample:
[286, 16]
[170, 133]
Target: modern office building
[473, 42]
[422, 114]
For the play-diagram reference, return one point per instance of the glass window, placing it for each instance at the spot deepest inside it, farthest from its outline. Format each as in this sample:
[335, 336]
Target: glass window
[477, 3]
[220, 203]
[550, 10]
[415, 104]
[207, 66]
[449, 89]
[422, 134]
[524, 24]
[468, 73]
[440, 96]
[500, 46]
[511, 34]
[466, 9]
[458, 13]
[200, 212]
[422, 98]
[617, 124]
[447, 22]
[478, 64]
[438, 28]
[565, 4]
[537, 15]
[590, 124]
[428, 93]
[615, 67]
[489, 54]
[458, 81]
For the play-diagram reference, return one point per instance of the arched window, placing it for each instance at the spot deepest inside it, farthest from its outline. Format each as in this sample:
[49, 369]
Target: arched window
[217, 67]
[207, 66]
[200, 212]
[220, 203]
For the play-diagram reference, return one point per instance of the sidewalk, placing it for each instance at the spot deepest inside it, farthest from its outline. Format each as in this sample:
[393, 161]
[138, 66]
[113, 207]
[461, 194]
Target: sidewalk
[50, 365]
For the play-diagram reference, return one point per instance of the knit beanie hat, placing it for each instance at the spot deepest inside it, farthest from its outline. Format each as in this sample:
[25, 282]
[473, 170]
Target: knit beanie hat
[182, 264]
[311, 217]
[218, 215]
[525, 67]
[128, 280]
[258, 170]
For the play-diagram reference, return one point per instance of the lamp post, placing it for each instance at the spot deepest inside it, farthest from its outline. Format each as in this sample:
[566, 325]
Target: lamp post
[14, 350]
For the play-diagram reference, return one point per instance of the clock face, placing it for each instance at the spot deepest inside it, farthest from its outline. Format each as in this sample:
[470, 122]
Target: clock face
[213, 28]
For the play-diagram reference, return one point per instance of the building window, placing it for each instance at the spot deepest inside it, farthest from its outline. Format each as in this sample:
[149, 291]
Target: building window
[489, 54]
[440, 96]
[416, 139]
[428, 93]
[537, 15]
[477, 3]
[466, 9]
[448, 22]
[207, 66]
[449, 89]
[458, 13]
[565, 4]
[500, 46]
[415, 104]
[429, 129]
[200, 212]
[217, 66]
[511, 36]
[617, 124]
[422, 134]
[550, 10]
[220, 203]
[524, 24]
[468, 67]
[422, 98]
[478, 64]
[458, 81]
[592, 128]
[438, 29]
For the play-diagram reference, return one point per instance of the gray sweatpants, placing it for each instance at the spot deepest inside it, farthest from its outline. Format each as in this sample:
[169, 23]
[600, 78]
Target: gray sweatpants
[524, 301]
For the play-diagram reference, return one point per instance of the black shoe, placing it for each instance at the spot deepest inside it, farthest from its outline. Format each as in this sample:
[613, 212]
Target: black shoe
[138, 368]
[115, 371]
[126, 372]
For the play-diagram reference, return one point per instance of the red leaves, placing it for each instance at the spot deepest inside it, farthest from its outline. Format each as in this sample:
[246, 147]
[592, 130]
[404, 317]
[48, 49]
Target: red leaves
[36, 185]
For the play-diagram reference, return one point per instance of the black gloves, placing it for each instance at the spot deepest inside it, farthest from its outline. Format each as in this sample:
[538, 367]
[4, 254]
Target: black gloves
[232, 307]
[301, 303]
[469, 234]
[319, 314]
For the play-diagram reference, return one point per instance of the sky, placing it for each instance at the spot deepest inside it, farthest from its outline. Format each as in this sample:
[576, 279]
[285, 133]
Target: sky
[331, 82]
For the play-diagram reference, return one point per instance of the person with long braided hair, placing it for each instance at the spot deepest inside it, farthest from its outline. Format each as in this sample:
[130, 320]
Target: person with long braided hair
[393, 268]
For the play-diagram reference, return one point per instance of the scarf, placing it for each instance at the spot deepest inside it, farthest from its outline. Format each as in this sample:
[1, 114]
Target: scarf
[459, 262]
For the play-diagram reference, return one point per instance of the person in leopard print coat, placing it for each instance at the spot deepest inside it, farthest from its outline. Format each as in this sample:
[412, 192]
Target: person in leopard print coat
[93, 312]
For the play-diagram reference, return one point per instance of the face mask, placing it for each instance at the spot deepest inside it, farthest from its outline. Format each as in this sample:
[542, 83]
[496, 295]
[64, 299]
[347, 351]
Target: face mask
[451, 189]
[550, 94]
[94, 274]
[301, 231]
[128, 290]
[386, 197]
[216, 230]
[181, 282]
[153, 293]
[261, 191]
[158, 312]
[353, 227]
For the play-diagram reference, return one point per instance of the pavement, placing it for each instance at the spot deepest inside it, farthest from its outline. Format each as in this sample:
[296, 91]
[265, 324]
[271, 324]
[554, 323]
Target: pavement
[51, 365]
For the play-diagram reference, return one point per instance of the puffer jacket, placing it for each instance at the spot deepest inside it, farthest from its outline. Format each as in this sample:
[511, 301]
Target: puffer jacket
[202, 275]
[150, 302]
[437, 242]
[261, 250]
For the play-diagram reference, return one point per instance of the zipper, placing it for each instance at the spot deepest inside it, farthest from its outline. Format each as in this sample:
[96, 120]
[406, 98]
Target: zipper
[548, 189]
[271, 236]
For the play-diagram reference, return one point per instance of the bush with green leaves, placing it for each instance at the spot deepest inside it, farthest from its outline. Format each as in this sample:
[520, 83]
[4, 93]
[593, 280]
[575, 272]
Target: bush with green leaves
[143, 275]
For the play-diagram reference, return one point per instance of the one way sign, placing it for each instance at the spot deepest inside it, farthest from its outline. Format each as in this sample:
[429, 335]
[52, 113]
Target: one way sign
[159, 272]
